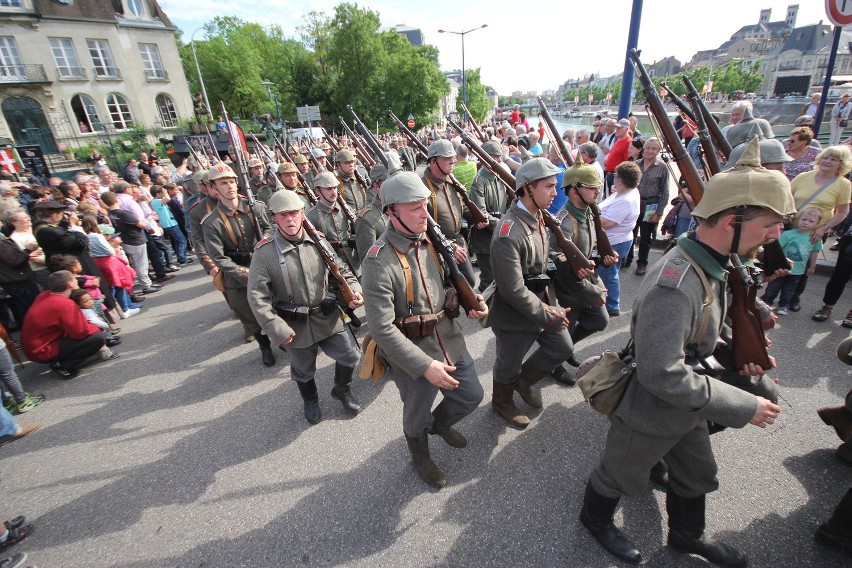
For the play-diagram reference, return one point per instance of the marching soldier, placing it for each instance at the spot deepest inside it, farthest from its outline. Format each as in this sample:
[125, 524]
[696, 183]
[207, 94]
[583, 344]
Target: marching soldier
[304, 167]
[524, 309]
[321, 159]
[288, 175]
[288, 294]
[445, 205]
[488, 193]
[584, 296]
[229, 238]
[407, 156]
[372, 221]
[665, 410]
[353, 192]
[259, 181]
[404, 284]
[329, 219]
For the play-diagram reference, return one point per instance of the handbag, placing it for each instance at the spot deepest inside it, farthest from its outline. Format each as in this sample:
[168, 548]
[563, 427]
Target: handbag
[844, 123]
[603, 379]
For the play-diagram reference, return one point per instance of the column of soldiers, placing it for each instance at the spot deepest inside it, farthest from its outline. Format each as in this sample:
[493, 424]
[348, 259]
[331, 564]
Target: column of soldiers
[294, 282]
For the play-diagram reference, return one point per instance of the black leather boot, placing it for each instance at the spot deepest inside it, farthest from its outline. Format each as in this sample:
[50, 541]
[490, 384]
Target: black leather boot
[686, 532]
[443, 426]
[837, 531]
[596, 516]
[308, 390]
[342, 390]
[562, 375]
[429, 472]
[265, 349]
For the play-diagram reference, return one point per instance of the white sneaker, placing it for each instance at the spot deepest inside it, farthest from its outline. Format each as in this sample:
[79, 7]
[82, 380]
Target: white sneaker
[131, 312]
[781, 311]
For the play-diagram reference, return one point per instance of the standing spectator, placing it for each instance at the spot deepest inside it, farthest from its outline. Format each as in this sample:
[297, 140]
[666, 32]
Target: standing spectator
[839, 117]
[802, 153]
[131, 171]
[812, 107]
[144, 166]
[132, 230]
[24, 238]
[619, 212]
[16, 276]
[169, 224]
[56, 332]
[619, 151]
[653, 194]
[797, 247]
[464, 170]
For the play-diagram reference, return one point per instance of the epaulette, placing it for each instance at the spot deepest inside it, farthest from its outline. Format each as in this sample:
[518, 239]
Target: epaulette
[560, 215]
[365, 209]
[263, 241]
[673, 272]
[505, 228]
[374, 250]
[205, 217]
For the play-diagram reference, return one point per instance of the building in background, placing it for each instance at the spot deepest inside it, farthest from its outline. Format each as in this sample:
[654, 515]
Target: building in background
[74, 70]
[413, 35]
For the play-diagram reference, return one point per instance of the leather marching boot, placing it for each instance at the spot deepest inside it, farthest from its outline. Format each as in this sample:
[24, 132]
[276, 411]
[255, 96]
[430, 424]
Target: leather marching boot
[308, 390]
[686, 532]
[342, 390]
[530, 375]
[265, 349]
[505, 406]
[429, 472]
[443, 426]
[596, 516]
[837, 531]
[839, 418]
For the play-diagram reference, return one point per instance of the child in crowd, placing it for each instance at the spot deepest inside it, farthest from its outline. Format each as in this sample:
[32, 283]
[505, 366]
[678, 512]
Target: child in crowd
[83, 299]
[89, 283]
[797, 247]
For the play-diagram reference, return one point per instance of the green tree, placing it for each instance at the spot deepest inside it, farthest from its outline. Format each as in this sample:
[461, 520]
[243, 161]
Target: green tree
[357, 56]
[478, 101]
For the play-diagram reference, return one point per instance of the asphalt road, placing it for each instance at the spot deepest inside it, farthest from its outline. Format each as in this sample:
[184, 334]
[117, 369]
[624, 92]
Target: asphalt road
[187, 452]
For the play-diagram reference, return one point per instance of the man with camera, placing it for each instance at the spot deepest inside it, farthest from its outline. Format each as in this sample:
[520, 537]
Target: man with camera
[289, 295]
[229, 237]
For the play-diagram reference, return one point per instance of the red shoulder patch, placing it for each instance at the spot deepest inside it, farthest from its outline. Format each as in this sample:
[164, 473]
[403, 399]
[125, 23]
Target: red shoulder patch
[506, 228]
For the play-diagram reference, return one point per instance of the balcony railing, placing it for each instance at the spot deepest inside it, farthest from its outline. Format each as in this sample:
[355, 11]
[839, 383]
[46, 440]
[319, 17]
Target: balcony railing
[23, 74]
[789, 65]
[71, 73]
[107, 73]
[156, 74]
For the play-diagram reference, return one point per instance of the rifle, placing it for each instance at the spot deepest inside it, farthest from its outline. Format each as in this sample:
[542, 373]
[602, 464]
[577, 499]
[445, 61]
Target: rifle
[415, 141]
[327, 254]
[358, 177]
[313, 159]
[467, 296]
[572, 254]
[215, 156]
[719, 139]
[270, 175]
[359, 146]
[711, 160]
[242, 175]
[312, 197]
[604, 247]
[195, 155]
[479, 133]
[369, 138]
[749, 340]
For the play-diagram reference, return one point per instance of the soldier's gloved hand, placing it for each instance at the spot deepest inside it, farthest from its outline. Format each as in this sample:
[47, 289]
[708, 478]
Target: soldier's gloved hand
[439, 375]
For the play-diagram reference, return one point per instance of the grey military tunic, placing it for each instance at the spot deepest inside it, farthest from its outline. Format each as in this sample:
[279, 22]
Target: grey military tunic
[370, 225]
[577, 226]
[203, 205]
[354, 194]
[489, 194]
[335, 226]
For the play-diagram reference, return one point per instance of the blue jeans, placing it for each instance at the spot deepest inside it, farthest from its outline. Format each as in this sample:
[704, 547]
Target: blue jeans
[123, 299]
[786, 286]
[8, 426]
[609, 276]
[178, 242]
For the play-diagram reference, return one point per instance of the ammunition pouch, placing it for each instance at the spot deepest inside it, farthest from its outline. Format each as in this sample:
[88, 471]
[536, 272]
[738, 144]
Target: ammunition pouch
[346, 243]
[451, 303]
[422, 325]
[241, 257]
[536, 283]
[297, 313]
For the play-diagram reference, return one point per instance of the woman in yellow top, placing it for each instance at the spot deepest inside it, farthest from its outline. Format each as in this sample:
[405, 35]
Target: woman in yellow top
[833, 201]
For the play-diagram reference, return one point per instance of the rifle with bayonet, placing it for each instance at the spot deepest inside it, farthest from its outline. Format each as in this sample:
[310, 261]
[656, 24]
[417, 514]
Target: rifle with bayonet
[215, 157]
[575, 258]
[242, 175]
[270, 175]
[468, 298]
[415, 141]
[312, 197]
[719, 139]
[358, 177]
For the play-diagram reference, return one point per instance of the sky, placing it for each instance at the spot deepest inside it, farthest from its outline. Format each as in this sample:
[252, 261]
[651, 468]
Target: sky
[528, 49]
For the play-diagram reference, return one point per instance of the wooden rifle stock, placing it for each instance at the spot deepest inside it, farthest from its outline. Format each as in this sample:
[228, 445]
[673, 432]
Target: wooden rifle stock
[215, 156]
[327, 255]
[711, 159]
[719, 139]
[467, 296]
[479, 133]
[242, 175]
[493, 165]
[748, 341]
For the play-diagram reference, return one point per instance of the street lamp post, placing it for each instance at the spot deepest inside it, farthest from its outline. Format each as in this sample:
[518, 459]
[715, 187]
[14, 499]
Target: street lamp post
[462, 34]
[198, 69]
[274, 97]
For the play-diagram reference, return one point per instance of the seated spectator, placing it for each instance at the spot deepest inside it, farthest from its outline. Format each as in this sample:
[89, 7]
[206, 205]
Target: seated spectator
[84, 300]
[15, 399]
[84, 281]
[56, 333]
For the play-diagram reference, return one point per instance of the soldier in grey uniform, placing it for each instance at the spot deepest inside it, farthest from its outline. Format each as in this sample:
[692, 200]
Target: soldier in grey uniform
[430, 358]
[407, 156]
[320, 155]
[585, 296]
[445, 205]
[372, 221]
[329, 219]
[667, 405]
[288, 175]
[260, 182]
[524, 309]
[356, 195]
[288, 293]
[304, 168]
[489, 194]
[229, 238]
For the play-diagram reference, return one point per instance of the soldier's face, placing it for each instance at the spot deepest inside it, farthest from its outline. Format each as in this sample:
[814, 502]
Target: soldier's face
[303, 167]
[348, 168]
[288, 179]
[257, 171]
[329, 194]
[289, 223]
[543, 192]
[415, 216]
[226, 187]
[757, 232]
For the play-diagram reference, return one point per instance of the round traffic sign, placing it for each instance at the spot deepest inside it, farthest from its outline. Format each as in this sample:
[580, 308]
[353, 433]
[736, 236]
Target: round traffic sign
[839, 12]
[411, 123]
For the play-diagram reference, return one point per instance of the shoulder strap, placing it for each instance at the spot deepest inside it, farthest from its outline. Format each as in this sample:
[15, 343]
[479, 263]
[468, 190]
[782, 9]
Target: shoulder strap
[814, 195]
[434, 196]
[229, 228]
[708, 300]
[409, 282]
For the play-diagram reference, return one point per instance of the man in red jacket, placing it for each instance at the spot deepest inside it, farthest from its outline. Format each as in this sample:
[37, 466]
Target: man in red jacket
[55, 330]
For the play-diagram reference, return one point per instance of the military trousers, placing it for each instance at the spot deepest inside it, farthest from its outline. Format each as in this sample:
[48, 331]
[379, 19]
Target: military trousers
[629, 456]
[238, 300]
[486, 275]
[554, 347]
[339, 346]
[590, 319]
[418, 394]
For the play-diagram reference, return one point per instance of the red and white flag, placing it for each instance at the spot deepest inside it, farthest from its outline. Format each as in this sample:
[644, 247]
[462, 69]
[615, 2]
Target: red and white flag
[8, 162]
